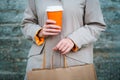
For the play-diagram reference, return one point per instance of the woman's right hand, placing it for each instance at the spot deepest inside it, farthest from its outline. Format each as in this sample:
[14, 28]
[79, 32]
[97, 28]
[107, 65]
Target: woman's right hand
[50, 29]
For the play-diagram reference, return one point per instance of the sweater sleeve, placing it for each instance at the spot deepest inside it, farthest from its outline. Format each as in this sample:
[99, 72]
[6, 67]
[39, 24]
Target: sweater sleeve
[30, 25]
[39, 40]
[93, 25]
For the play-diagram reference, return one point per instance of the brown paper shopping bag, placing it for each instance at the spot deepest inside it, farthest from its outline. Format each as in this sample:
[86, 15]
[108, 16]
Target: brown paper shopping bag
[82, 72]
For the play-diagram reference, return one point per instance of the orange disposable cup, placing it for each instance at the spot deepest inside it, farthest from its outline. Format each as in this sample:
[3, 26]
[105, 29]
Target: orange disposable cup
[55, 13]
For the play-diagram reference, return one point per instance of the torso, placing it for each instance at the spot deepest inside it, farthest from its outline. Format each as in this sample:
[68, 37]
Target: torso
[72, 20]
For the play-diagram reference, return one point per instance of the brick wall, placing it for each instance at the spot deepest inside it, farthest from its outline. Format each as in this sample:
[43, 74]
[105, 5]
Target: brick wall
[14, 47]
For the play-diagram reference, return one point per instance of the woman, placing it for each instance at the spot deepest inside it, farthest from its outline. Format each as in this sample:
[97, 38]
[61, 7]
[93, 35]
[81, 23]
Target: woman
[82, 24]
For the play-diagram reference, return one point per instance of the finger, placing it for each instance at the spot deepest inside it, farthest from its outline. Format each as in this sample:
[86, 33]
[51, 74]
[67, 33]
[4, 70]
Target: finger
[52, 26]
[58, 45]
[66, 51]
[53, 30]
[62, 46]
[50, 21]
[49, 33]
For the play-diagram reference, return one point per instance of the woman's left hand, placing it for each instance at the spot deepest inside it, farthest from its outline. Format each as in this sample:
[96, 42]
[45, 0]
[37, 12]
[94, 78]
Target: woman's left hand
[64, 46]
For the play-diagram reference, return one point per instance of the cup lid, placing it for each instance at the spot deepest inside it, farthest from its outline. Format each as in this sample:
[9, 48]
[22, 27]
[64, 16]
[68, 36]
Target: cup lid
[54, 8]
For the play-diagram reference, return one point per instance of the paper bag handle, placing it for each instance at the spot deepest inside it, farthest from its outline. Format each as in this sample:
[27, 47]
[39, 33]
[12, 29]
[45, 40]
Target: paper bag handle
[44, 60]
[64, 61]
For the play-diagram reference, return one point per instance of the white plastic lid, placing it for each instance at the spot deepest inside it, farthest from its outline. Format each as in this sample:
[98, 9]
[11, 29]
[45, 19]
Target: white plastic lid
[54, 8]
